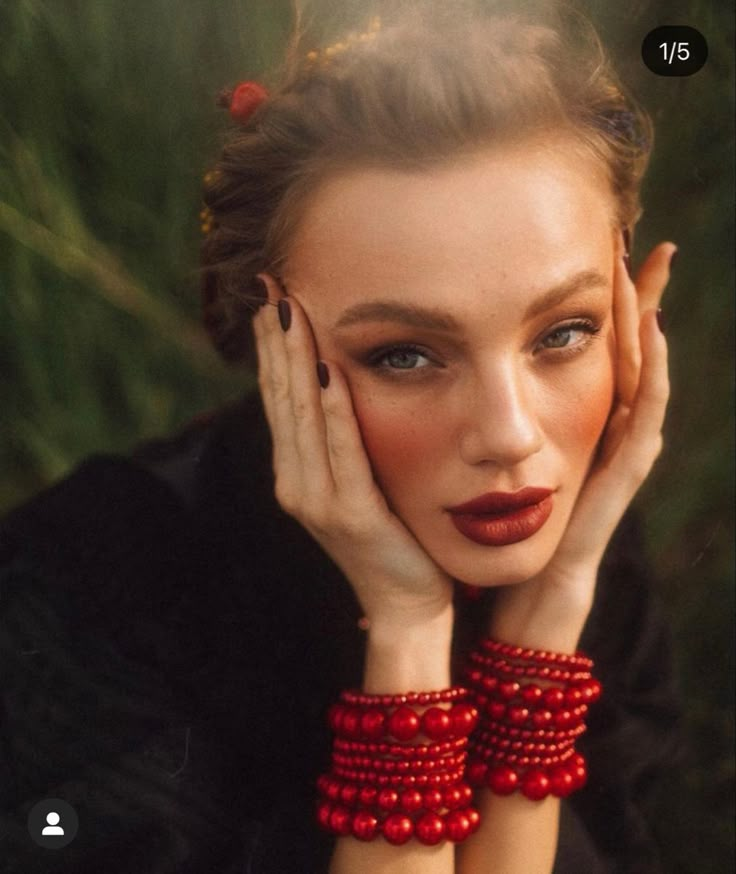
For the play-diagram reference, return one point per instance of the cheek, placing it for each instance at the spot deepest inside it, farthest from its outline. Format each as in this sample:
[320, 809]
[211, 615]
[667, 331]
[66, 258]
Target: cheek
[403, 441]
[586, 408]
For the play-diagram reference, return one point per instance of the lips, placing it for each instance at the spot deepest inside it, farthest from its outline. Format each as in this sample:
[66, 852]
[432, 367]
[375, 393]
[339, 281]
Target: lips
[503, 518]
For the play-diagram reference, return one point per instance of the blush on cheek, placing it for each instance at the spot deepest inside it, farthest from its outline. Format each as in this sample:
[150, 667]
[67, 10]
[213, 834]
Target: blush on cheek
[401, 444]
[588, 416]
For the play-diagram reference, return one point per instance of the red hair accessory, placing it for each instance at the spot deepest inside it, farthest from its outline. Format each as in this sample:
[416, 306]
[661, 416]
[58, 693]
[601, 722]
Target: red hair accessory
[243, 100]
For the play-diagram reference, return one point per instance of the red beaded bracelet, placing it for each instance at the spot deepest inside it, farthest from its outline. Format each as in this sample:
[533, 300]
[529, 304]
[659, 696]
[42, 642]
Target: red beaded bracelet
[537, 656]
[383, 782]
[407, 751]
[362, 699]
[403, 723]
[527, 732]
[398, 828]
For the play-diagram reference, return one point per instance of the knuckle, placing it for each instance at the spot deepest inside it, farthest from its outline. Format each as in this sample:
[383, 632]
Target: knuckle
[302, 410]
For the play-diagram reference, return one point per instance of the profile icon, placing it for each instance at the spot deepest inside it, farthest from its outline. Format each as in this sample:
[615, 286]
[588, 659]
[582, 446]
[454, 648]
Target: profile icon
[53, 827]
[52, 823]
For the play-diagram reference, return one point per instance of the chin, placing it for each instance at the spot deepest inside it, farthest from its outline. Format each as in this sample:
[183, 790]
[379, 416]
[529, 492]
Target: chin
[496, 566]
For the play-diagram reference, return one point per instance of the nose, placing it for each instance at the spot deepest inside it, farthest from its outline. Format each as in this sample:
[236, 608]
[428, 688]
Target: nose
[500, 423]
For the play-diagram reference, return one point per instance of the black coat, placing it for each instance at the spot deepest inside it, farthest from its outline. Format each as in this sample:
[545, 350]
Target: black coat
[170, 641]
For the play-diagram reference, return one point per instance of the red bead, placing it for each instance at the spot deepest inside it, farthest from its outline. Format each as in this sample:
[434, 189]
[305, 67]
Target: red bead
[373, 724]
[403, 724]
[553, 698]
[350, 724]
[464, 719]
[563, 719]
[453, 797]
[398, 829]
[246, 98]
[579, 774]
[411, 800]
[542, 718]
[436, 723]
[430, 829]
[531, 693]
[489, 683]
[535, 785]
[496, 710]
[324, 809]
[457, 825]
[348, 794]
[473, 818]
[333, 789]
[364, 826]
[502, 780]
[367, 796]
[591, 690]
[334, 717]
[387, 799]
[433, 799]
[475, 675]
[508, 690]
[573, 697]
[476, 772]
[517, 715]
[561, 782]
[341, 821]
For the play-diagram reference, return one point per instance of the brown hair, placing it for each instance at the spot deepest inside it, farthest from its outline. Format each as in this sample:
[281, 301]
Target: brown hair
[438, 80]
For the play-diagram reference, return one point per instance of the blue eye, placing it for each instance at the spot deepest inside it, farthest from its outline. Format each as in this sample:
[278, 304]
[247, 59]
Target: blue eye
[574, 334]
[400, 358]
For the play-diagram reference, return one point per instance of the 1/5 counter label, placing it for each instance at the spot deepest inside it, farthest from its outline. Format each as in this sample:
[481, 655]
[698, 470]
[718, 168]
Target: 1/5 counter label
[674, 50]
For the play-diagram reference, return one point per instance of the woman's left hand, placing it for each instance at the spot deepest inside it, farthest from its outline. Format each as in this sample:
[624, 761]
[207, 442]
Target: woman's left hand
[549, 611]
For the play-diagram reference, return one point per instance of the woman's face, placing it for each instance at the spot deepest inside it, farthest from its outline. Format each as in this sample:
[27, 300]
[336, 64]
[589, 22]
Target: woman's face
[469, 307]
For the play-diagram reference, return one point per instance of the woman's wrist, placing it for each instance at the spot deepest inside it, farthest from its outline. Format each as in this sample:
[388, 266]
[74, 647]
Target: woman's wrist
[545, 613]
[408, 652]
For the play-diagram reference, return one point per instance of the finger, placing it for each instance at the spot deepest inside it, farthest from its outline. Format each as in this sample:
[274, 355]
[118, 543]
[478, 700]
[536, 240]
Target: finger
[653, 276]
[349, 460]
[643, 437]
[306, 407]
[626, 325]
[273, 380]
[627, 458]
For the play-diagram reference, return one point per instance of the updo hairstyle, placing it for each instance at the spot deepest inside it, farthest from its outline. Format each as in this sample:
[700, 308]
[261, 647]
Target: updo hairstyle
[436, 80]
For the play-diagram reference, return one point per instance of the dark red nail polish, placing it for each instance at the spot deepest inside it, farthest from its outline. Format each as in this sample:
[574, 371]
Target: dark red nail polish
[284, 314]
[323, 374]
[660, 319]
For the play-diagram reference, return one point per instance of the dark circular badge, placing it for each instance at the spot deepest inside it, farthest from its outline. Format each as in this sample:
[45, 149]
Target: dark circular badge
[674, 50]
[53, 823]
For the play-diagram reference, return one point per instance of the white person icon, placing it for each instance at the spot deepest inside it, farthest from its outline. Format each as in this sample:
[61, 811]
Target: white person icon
[52, 823]
[53, 828]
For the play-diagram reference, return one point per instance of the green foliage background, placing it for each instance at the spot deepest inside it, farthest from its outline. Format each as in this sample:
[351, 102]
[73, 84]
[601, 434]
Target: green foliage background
[107, 122]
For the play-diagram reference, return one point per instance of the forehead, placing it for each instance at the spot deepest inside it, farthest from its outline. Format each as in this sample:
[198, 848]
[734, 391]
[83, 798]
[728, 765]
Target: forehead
[509, 211]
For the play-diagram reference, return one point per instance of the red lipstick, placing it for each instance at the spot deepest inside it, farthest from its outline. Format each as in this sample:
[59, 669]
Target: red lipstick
[502, 518]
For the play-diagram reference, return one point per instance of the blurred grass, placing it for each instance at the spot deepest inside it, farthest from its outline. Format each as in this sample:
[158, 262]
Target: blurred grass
[106, 125]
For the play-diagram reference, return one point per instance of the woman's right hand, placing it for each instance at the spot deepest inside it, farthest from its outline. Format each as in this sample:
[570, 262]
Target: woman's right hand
[323, 477]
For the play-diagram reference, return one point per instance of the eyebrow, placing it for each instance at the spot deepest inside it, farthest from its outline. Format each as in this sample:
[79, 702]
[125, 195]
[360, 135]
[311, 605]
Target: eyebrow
[434, 319]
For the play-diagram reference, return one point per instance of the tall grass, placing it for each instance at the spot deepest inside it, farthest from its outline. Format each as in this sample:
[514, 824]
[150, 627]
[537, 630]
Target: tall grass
[107, 123]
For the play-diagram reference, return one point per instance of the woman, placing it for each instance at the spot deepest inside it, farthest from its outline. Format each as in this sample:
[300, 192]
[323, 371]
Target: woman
[462, 390]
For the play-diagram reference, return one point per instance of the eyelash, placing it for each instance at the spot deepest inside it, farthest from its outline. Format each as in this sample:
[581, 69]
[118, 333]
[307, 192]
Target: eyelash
[377, 359]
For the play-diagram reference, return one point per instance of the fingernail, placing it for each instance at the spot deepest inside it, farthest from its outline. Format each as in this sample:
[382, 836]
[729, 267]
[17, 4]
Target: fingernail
[660, 319]
[627, 264]
[673, 258]
[626, 234]
[284, 314]
[323, 374]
